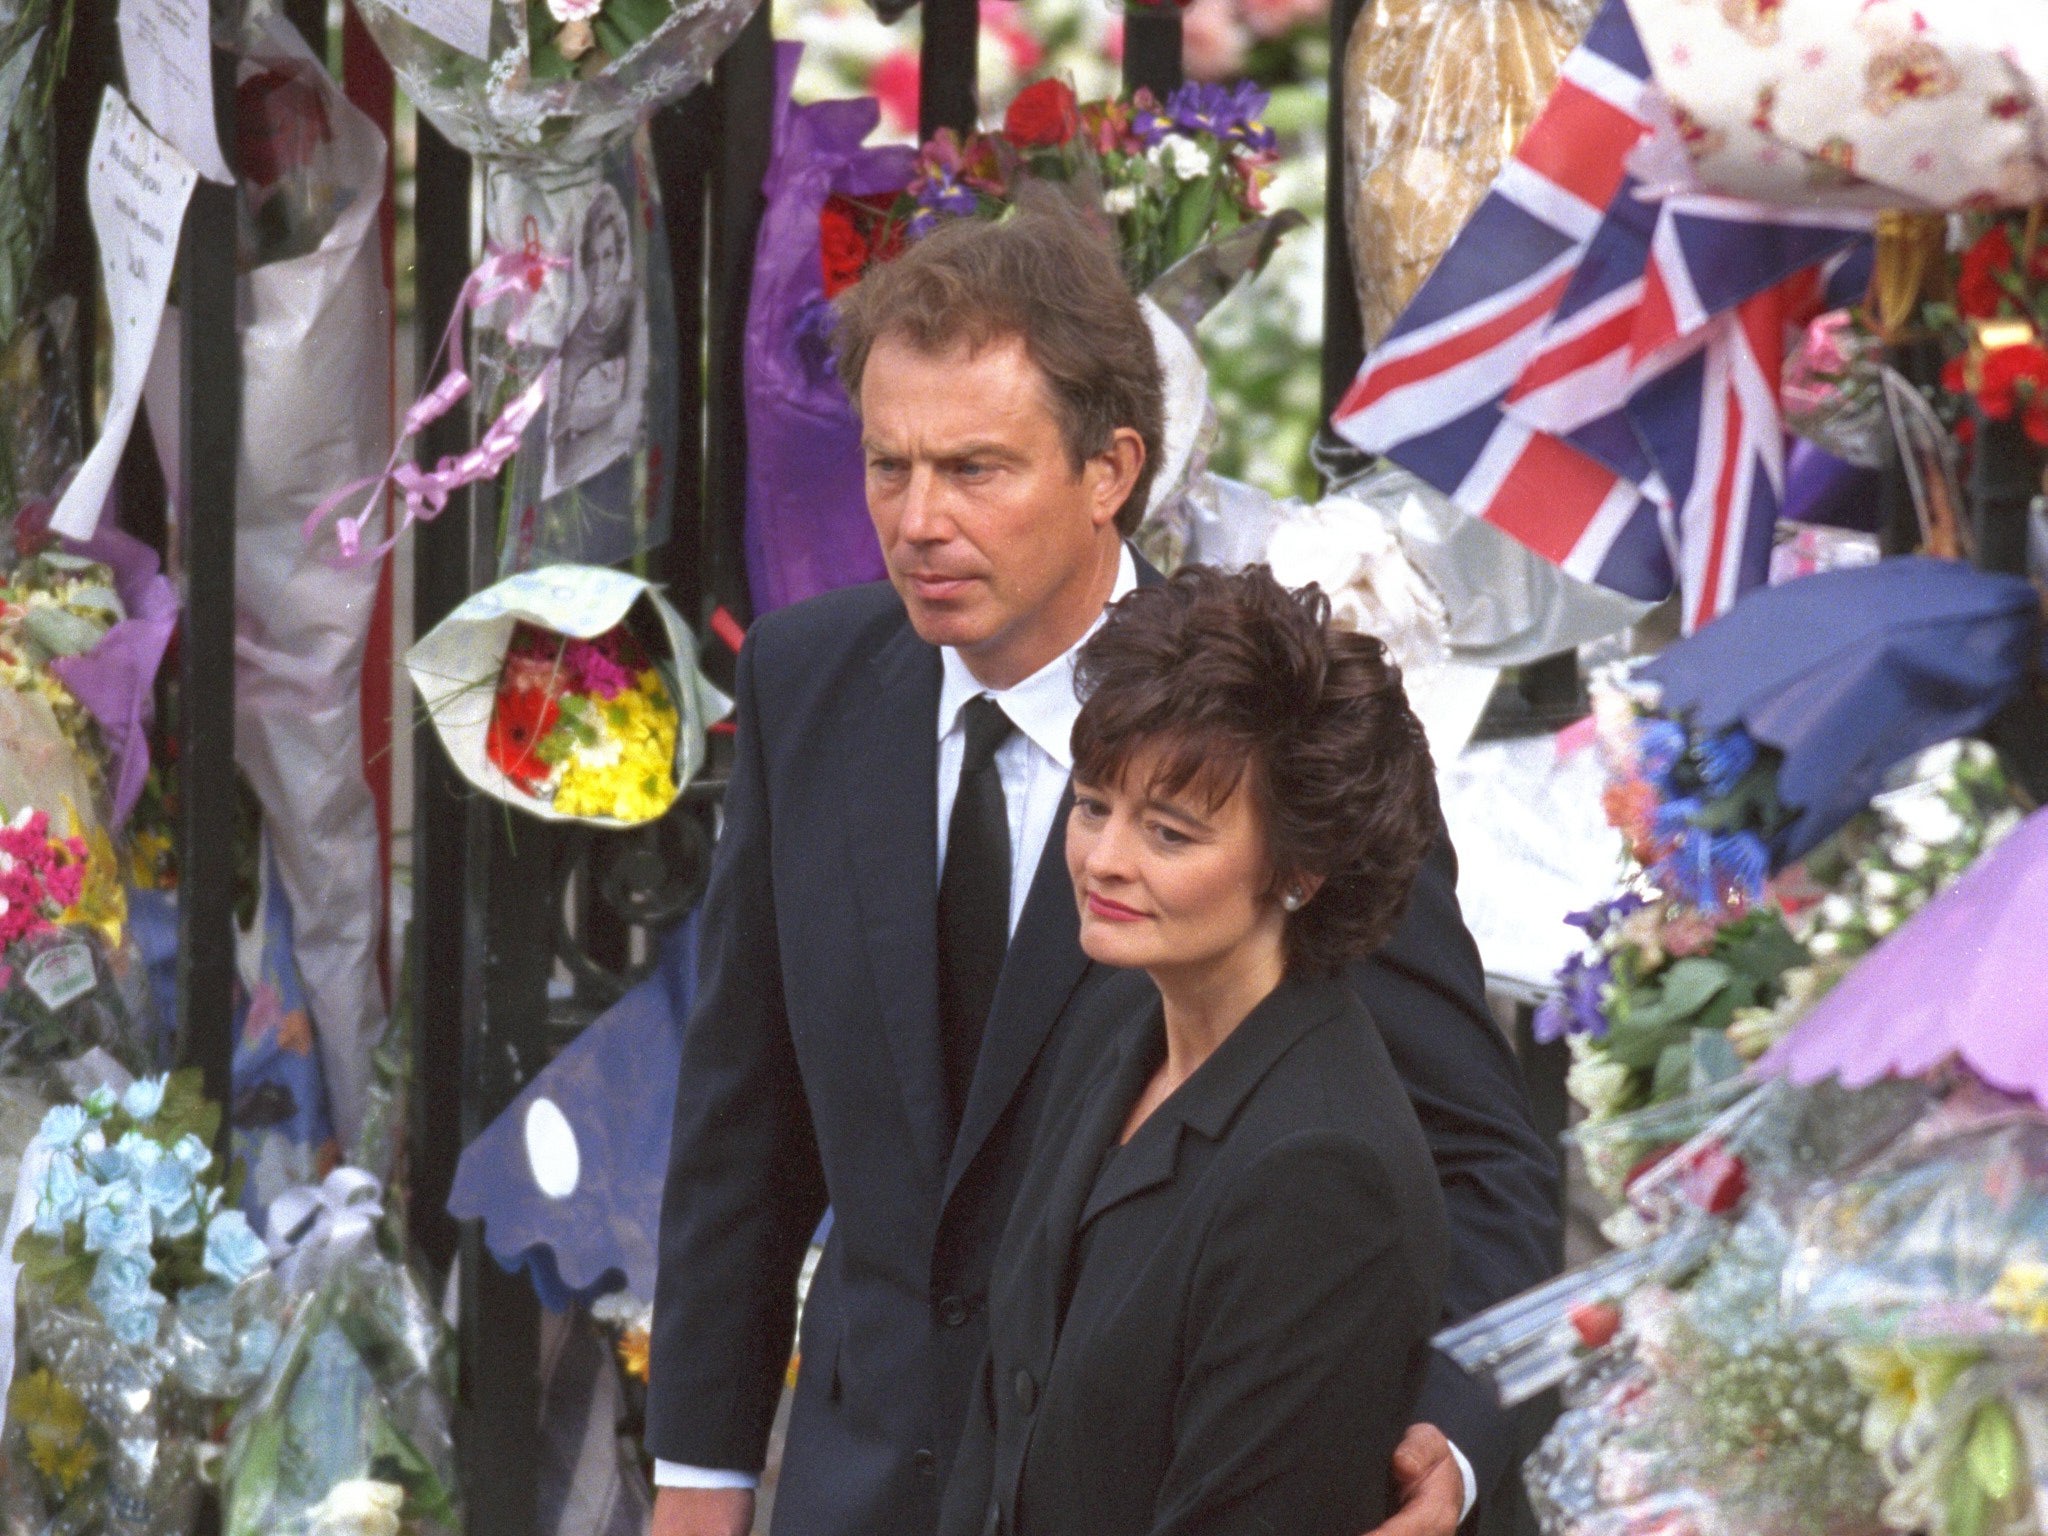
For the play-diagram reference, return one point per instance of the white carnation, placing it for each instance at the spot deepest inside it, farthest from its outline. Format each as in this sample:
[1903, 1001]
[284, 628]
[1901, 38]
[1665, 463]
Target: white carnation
[1181, 158]
[1120, 200]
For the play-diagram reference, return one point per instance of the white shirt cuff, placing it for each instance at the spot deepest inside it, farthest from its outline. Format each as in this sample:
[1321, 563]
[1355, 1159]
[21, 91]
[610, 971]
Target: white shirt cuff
[1464, 1471]
[676, 1474]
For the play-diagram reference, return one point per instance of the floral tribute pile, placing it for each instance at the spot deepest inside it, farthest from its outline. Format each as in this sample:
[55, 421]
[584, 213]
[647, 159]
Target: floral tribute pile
[146, 1310]
[1173, 177]
[1705, 957]
[585, 726]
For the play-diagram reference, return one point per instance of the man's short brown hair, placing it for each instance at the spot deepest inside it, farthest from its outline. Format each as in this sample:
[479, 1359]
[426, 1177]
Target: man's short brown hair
[1041, 274]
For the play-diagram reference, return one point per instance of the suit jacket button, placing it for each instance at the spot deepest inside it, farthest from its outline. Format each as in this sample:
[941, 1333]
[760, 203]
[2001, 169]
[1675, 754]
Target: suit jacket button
[926, 1462]
[953, 1311]
[1027, 1391]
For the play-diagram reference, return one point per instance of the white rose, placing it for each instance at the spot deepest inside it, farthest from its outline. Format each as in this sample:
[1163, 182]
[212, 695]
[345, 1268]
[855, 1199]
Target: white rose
[360, 1507]
[1120, 200]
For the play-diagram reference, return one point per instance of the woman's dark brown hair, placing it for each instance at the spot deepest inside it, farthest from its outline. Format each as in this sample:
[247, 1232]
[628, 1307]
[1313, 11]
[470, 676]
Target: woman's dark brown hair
[1232, 678]
[1042, 274]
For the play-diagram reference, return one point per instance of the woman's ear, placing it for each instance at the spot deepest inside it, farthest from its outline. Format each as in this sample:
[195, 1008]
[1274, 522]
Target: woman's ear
[1297, 890]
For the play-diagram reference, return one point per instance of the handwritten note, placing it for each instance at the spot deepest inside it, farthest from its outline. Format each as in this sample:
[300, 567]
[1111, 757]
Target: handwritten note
[137, 187]
[169, 59]
[464, 24]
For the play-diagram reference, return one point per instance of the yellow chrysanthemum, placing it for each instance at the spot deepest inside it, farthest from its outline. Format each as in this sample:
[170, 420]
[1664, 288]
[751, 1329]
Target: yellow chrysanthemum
[631, 776]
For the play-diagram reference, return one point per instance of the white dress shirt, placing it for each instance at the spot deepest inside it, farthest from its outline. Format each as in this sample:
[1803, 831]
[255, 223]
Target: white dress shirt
[1034, 763]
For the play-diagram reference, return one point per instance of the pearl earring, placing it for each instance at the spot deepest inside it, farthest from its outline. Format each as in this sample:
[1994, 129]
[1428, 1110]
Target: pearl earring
[1292, 900]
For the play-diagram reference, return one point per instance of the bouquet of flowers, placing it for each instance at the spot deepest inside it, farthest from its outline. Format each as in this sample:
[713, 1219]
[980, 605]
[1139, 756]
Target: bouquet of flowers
[586, 726]
[145, 1305]
[349, 1430]
[571, 692]
[1173, 177]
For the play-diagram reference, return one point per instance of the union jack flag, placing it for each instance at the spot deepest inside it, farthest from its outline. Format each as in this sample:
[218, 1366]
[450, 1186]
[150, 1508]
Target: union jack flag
[1594, 368]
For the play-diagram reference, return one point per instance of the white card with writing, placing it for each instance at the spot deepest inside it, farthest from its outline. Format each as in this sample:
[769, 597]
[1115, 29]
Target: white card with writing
[137, 187]
[169, 59]
[464, 24]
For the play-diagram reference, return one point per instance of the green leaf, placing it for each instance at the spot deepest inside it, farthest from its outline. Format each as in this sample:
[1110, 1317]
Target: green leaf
[1637, 1047]
[1712, 1060]
[1993, 1452]
[1967, 1505]
[252, 1492]
[1686, 988]
[1674, 1071]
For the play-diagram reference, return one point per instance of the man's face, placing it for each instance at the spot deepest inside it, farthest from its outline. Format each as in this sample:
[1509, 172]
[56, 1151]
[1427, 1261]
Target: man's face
[998, 546]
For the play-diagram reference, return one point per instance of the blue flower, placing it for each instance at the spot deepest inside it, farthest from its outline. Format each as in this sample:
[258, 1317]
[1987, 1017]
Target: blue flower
[233, 1251]
[193, 1153]
[1742, 863]
[116, 1221]
[179, 1221]
[1724, 759]
[145, 1096]
[62, 1197]
[1659, 746]
[62, 1126]
[167, 1186]
[1674, 818]
[121, 1291]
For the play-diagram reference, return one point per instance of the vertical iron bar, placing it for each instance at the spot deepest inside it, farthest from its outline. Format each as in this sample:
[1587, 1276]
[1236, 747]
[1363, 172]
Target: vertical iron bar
[682, 137]
[1152, 51]
[440, 829]
[745, 88]
[947, 66]
[212, 391]
[1343, 329]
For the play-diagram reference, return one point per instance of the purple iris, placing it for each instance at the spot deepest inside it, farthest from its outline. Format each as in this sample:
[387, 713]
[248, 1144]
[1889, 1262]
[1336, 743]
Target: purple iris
[1724, 759]
[1575, 1007]
[1596, 920]
[1230, 113]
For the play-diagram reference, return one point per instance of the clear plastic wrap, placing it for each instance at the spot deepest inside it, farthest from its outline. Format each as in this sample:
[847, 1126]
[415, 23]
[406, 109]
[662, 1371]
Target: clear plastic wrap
[1944, 1241]
[352, 1418]
[1437, 93]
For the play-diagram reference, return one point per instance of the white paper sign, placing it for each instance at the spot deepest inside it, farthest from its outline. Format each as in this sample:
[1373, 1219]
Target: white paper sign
[464, 24]
[137, 187]
[169, 59]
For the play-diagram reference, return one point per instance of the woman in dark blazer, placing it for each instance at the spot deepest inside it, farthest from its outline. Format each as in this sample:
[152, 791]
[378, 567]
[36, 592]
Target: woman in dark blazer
[1211, 1309]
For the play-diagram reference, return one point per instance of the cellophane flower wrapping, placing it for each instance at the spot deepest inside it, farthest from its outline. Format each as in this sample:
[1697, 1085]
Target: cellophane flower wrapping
[1437, 93]
[351, 1423]
[549, 102]
[527, 722]
[146, 1310]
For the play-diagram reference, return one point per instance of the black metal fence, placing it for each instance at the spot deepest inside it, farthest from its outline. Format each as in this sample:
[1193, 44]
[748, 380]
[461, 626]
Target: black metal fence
[499, 907]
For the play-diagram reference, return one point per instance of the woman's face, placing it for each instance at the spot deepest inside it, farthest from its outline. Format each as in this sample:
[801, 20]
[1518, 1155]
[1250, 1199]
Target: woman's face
[1169, 883]
[607, 262]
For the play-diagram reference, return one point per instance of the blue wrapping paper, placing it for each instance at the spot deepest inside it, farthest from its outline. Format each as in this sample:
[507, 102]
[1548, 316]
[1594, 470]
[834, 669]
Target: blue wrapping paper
[807, 520]
[615, 1086]
[1851, 671]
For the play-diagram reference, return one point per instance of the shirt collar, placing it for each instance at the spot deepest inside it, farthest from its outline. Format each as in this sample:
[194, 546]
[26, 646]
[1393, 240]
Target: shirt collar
[1043, 706]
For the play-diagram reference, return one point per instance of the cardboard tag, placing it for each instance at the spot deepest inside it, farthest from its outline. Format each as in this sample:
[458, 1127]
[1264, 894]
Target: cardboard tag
[61, 975]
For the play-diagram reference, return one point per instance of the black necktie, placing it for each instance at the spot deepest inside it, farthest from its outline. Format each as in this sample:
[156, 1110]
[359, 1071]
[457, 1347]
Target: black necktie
[974, 898]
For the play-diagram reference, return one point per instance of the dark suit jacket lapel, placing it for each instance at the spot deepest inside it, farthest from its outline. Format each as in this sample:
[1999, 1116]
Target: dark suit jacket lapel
[1040, 973]
[891, 782]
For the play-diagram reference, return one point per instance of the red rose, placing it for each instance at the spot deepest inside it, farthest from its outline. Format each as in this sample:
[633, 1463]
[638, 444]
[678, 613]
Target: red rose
[842, 251]
[1595, 1322]
[2008, 374]
[1044, 116]
[520, 722]
[1979, 294]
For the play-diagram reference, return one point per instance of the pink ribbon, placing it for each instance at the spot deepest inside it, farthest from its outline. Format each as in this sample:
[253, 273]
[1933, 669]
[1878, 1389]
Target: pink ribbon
[515, 276]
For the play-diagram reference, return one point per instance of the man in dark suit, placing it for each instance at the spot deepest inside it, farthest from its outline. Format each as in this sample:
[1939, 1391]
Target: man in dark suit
[888, 956]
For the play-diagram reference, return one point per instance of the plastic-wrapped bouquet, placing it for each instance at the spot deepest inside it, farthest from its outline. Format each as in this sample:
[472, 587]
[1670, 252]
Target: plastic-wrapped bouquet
[145, 1304]
[1173, 177]
[586, 726]
[571, 692]
[348, 1434]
